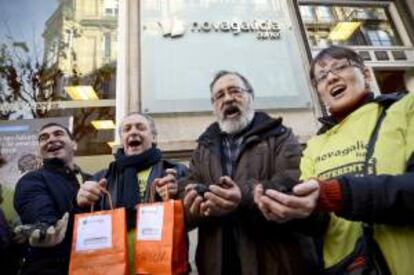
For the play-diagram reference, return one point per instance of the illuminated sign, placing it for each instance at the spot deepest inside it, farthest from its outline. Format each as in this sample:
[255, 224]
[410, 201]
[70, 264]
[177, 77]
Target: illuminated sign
[263, 29]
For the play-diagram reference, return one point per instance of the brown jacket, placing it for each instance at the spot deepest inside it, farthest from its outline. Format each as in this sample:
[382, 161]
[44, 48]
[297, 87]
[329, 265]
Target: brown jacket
[269, 150]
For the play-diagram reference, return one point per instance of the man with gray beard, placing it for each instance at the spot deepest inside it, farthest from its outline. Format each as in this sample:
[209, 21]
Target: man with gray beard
[243, 148]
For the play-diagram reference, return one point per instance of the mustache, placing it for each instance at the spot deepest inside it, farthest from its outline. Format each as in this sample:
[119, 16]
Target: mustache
[230, 108]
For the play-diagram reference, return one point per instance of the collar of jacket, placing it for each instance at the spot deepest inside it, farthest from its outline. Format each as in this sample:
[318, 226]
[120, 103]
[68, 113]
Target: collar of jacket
[60, 166]
[261, 127]
[384, 99]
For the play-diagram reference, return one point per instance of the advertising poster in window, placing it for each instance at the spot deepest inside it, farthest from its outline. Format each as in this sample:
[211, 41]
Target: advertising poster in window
[19, 149]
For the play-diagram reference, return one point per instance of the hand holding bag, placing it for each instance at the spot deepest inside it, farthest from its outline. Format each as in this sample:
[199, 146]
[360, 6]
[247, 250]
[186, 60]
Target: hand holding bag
[161, 244]
[99, 244]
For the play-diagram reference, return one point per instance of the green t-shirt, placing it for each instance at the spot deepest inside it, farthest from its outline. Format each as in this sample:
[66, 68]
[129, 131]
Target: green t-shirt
[142, 181]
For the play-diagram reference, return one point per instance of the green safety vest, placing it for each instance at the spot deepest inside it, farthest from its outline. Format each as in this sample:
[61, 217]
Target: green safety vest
[341, 151]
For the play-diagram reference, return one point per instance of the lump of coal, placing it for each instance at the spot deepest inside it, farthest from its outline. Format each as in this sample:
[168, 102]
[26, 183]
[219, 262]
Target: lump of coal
[28, 229]
[281, 184]
[200, 189]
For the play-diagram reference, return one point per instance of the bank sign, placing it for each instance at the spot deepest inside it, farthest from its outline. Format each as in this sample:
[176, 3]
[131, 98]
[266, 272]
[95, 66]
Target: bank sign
[184, 43]
[261, 29]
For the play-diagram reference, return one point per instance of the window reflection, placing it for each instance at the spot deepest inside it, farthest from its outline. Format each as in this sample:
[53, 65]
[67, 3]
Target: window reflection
[348, 25]
[324, 14]
[69, 71]
[111, 7]
[379, 38]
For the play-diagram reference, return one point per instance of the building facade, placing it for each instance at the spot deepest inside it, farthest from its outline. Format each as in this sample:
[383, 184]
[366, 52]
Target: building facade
[172, 43]
[95, 61]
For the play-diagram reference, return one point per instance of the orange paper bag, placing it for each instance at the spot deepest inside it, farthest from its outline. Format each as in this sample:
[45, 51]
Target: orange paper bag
[99, 244]
[161, 243]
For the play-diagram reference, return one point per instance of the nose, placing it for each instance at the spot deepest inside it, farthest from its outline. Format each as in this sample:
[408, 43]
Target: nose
[331, 77]
[51, 138]
[134, 130]
[228, 97]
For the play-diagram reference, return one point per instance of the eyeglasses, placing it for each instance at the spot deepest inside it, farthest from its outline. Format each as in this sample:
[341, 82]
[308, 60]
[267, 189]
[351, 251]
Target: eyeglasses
[336, 70]
[233, 92]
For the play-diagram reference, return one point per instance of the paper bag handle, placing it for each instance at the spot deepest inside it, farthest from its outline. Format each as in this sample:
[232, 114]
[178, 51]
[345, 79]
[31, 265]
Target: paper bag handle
[153, 192]
[106, 192]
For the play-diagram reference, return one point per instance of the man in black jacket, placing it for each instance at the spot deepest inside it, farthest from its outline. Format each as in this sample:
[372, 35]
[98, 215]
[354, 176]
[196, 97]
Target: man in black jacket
[138, 173]
[138, 167]
[45, 198]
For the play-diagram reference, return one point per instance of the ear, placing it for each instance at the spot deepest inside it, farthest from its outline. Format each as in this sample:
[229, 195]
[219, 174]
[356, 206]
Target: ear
[153, 139]
[367, 74]
[75, 145]
[328, 108]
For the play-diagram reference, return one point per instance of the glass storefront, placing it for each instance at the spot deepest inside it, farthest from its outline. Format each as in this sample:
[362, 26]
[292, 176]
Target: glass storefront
[58, 59]
[351, 25]
[185, 42]
[57, 64]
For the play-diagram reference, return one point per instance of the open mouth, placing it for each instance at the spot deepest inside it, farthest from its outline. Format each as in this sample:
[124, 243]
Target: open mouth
[337, 90]
[54, 147]
[134, 143]
[231, 111]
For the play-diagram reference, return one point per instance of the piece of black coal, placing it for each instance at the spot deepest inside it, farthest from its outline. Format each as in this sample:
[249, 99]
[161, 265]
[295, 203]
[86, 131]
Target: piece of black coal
[281, 184]
[42, 227]
[200, 189]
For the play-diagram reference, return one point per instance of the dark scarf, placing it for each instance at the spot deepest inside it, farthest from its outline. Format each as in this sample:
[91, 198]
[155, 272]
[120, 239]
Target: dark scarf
[122, 179]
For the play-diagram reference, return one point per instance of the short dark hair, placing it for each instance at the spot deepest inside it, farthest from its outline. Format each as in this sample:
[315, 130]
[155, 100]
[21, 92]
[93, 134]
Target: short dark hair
[50, 124]
[222, 73]
[336, 52]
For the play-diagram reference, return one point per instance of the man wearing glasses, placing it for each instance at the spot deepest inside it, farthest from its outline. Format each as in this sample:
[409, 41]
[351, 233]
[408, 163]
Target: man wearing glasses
[241, 149]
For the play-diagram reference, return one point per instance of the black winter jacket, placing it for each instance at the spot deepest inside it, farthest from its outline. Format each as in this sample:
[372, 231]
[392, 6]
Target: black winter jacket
[44, 196]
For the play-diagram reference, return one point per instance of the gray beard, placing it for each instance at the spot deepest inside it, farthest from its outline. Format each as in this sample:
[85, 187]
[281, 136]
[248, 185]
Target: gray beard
[236, 125]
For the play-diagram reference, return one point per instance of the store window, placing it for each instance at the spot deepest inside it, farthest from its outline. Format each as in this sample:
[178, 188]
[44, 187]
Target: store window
[349, 24]
[58, 60]
[107, 42]
[379, 38]
[307, 13]
[324, 14]
[185, 42]
[111, 7]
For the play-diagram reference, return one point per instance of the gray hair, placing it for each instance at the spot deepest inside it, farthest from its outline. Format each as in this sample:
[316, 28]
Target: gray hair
[222, 73]
[150, 120]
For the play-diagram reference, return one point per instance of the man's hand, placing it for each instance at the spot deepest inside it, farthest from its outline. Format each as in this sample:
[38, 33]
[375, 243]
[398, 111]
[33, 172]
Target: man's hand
[19, 236]
[89, 192]
[167, 186]
[222, 198]
[280, 207]
[44, 237]
[192, 201]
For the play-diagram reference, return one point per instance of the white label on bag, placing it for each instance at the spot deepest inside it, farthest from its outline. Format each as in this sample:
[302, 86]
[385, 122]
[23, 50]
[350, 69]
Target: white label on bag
[150, 222]
[94, 232]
